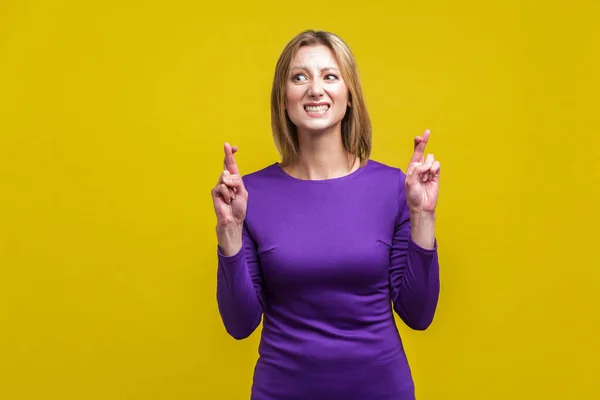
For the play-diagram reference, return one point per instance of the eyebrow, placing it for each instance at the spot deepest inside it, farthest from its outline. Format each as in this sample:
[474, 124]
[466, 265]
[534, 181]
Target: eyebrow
[303, 67]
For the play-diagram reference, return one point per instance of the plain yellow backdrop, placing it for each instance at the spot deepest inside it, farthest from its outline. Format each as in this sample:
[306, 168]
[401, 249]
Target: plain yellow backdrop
[112, 119]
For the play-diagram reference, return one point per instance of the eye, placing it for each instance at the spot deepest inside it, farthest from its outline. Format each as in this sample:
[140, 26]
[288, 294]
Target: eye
[331, 77]
[299, 78]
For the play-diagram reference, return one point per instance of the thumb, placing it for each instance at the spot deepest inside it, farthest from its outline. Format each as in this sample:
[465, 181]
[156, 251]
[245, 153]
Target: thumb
[414, 173]
[420, 169]
[225, 173]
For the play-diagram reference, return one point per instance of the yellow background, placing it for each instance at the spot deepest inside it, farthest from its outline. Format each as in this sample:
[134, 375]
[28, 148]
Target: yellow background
[112, 119]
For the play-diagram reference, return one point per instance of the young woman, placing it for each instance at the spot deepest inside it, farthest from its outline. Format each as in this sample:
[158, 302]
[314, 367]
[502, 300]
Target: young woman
[324, 245]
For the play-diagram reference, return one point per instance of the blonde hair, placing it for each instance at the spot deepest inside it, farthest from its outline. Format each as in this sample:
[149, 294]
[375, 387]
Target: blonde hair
[356, 124]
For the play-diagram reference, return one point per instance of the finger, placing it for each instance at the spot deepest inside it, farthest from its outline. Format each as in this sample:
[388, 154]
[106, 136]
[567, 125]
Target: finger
[419, 147]
[224, 174]
[415, 175]
[429, 160]
[236, 183]
[227, 193]
[226, 178]
[411, 168]
[417, 140]
[229, 162]
[435, 168]
[420, 170]
[427, 167]
[430, 171]
[221, 192]
[232, 181]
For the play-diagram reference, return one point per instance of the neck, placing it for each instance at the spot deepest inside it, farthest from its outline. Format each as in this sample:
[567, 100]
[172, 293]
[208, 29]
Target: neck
[322, 156]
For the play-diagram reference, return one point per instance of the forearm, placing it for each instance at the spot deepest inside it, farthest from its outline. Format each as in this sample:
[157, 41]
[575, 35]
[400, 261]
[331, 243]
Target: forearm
[237, 297]
[238, 281]
[417, 296]
[422, 229]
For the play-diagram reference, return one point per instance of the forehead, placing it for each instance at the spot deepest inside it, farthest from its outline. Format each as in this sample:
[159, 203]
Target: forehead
[318, 56]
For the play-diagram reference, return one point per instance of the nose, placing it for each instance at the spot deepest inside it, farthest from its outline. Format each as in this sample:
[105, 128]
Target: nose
[316, 88]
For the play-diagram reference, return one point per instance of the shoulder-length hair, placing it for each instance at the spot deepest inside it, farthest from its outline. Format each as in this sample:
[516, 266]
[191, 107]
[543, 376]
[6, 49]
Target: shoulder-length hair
[356, 124]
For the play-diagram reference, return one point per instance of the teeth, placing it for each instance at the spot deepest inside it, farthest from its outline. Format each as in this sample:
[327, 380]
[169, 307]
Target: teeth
[316, 109]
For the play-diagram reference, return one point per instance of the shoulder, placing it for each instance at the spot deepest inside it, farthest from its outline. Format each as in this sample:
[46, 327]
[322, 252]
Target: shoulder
[387, 178]
[378, 169]
[261, 177]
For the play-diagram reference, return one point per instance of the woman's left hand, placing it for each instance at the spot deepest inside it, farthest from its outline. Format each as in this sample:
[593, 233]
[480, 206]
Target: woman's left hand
[422, 178]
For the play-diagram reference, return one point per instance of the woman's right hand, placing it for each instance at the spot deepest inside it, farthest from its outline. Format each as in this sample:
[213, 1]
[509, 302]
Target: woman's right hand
[230, 200]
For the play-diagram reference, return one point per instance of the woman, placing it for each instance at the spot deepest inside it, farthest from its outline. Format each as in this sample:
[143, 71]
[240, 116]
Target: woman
[324, 245]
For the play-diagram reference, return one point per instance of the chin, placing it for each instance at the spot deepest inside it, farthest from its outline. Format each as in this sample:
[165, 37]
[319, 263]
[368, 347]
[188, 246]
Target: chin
[317, 127]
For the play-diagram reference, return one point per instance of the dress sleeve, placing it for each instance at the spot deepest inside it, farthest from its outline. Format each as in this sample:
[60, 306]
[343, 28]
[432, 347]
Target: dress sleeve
[414, 272]
[240, 296]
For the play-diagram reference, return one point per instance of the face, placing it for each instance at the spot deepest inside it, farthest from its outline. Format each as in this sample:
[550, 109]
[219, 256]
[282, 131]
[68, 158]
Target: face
[316, 95]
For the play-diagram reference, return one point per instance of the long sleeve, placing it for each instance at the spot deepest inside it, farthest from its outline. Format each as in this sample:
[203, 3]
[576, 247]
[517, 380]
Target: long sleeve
[240, 289]
[414, 273]
[320, 263]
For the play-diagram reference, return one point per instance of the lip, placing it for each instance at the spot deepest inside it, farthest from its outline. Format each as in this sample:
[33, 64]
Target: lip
[323, 103]
[317, 115]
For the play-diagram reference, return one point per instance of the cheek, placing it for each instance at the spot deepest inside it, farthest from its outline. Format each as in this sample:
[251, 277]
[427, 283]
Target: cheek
[293, 96]
[339, 94]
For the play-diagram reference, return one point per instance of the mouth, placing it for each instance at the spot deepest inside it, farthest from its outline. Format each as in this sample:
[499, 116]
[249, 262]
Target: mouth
[316, 109]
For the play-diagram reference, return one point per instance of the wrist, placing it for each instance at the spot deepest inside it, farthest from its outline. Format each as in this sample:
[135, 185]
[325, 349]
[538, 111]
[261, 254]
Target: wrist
[417, 214]
[423, 228]
[229, 238]
[229, 227]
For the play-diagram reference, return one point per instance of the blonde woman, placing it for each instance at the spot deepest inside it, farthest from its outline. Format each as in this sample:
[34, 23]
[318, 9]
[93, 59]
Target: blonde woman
[325, 245]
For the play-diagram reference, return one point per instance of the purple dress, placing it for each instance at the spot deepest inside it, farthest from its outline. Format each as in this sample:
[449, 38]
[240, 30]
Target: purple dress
[325, 263]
